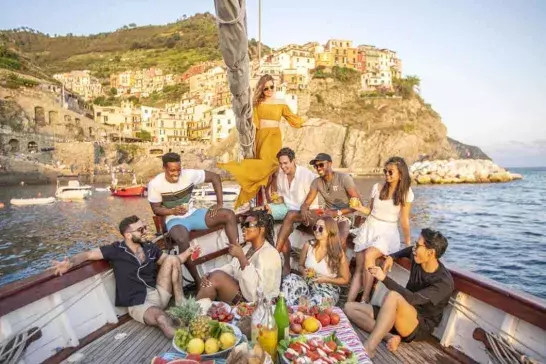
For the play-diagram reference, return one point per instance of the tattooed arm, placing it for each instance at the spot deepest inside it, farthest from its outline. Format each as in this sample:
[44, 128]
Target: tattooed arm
[68, 263]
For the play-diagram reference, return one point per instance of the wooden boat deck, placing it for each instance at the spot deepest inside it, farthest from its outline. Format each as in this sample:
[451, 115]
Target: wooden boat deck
[135, 343]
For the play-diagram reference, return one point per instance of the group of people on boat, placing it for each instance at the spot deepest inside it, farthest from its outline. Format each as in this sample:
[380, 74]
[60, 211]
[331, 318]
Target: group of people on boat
[147, 278]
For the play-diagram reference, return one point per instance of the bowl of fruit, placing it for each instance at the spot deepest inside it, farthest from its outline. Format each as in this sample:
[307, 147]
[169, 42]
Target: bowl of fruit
[315, 348]
[207, 338]
[244, 309]
[302, 324]
[220, 311]
[326, 316]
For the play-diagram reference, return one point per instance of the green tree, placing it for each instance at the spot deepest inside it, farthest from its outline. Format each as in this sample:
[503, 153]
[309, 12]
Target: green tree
[144, 135]
[113, 91]
[405, 86]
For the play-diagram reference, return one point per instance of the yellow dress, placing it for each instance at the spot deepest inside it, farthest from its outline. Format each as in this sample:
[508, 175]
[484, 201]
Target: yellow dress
[251, 174]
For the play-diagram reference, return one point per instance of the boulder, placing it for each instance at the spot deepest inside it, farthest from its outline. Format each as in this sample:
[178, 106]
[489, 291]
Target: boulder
[516, 176]
[423, 179]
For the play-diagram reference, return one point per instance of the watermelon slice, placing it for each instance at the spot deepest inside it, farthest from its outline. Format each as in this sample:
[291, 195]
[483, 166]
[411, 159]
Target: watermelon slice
[159, 360]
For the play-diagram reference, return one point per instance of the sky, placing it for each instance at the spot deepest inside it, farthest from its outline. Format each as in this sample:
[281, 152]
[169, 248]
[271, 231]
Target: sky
[481, 64]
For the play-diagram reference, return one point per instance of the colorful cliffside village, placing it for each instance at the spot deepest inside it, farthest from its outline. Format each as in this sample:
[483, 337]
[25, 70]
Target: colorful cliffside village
[203, 113]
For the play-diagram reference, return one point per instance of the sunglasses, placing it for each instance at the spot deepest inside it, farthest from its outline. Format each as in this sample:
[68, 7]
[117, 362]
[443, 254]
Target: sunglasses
[269, 88]
[249, 224]
[141, 229]
[319, 165]
[390, 172]
[318, 228]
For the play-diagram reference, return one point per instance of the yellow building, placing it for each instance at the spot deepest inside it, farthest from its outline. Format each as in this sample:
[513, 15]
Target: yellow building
[342, 53]
[324, 59]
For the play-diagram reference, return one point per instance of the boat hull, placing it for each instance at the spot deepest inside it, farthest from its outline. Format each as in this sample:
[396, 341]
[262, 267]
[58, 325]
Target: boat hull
[131, 191]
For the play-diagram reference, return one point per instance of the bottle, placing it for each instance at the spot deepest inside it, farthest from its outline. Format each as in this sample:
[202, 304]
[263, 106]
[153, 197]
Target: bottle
[268, 333]
[281, 318]
[257, 316]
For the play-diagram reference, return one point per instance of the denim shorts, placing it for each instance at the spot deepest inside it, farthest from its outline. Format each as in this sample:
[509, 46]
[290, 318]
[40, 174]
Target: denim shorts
[196, 221]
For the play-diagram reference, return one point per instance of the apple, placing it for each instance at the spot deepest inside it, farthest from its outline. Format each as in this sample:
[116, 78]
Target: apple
[296, 328]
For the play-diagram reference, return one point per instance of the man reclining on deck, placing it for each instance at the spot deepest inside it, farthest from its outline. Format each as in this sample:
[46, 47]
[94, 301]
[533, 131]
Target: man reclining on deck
[140, 287]
[169, 194]
[411, 313]
[336, 189]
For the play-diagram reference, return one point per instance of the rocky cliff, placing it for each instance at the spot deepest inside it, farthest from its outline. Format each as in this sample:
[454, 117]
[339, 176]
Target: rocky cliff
[362, 132]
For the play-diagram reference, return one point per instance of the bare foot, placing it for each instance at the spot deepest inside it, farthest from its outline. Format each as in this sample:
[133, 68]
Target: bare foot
[371, 352]
[392, 342]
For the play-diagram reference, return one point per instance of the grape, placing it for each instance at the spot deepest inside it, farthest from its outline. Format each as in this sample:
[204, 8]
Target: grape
[181, 338]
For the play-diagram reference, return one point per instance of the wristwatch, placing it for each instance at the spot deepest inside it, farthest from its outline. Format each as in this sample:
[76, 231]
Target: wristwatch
[339, 213]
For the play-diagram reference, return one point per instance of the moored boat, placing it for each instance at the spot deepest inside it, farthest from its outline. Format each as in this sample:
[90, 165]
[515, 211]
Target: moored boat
[73, 190]
[207, 194]
[31, 201]
[129, 191]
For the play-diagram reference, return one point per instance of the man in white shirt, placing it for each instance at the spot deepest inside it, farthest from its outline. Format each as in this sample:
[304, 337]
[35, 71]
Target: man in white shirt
[169, 194]
[293, 184]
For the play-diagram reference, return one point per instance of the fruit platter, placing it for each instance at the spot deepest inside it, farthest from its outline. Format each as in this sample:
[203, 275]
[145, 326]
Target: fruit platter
[220, 311]
[207, 338]
[315, 349]
[244, 309]
[306, 319]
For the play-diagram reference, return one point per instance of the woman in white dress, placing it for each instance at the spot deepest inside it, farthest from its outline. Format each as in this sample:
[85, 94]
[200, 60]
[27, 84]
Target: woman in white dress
[390, 205]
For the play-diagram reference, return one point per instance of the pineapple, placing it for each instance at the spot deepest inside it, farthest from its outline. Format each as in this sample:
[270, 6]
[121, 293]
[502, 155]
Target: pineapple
[200, 327]
[186, 312]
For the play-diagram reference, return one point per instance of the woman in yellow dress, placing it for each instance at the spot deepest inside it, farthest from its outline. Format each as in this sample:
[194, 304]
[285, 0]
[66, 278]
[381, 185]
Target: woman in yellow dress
[251, 174]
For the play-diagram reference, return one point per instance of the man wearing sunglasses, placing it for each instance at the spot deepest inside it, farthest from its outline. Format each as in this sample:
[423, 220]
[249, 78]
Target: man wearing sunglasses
[410, 313]
[336, 189]
[140, 286]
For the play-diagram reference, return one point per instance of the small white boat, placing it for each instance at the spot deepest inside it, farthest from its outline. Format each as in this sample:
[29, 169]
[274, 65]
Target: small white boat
[31, 201]
[208, 194]
[73, 190]
[99, 189]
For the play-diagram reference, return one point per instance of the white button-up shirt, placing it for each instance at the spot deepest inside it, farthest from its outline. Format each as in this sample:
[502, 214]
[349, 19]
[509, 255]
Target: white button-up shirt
[294, 194]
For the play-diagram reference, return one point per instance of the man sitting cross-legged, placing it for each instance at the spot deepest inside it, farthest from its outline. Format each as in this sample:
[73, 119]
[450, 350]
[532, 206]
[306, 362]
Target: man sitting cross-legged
[336, 189]
[169, 194]
[139, 286]
[411, 313]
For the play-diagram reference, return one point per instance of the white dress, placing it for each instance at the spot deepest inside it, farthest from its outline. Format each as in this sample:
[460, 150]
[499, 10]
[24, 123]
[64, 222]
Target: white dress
[380, 230]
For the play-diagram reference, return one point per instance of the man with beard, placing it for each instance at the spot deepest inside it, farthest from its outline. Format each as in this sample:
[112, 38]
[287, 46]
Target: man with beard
[336, 189]
[140, 286]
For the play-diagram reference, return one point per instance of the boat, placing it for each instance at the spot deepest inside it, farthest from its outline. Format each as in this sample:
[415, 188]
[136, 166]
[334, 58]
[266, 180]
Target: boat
[31, 201]
[73, 190]
[207, 194]
[132, 190]
[102, 189]
[75, 314]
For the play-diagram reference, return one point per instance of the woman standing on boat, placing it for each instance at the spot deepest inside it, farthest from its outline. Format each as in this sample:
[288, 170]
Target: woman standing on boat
[390, 204]
[323, 265]
[251, 174]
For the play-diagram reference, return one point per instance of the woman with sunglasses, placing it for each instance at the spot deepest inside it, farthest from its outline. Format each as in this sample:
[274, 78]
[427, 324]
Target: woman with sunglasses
[323, 267]
[255, 267]
[251, 174]
[390, 205]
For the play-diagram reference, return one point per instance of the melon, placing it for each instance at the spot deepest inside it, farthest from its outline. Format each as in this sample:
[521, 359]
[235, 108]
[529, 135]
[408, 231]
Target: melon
[159, 360]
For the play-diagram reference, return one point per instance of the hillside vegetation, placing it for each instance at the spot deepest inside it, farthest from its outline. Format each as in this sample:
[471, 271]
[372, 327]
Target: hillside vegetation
[173, 47]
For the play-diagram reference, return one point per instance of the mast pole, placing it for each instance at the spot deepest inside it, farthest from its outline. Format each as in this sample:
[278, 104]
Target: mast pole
[259, 33]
